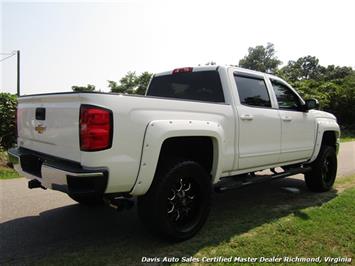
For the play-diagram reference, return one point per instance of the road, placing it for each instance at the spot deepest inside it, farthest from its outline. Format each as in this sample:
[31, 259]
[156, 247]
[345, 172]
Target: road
[36, 223]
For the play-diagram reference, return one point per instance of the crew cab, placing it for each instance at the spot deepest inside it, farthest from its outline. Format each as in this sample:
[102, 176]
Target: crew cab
[195, 130]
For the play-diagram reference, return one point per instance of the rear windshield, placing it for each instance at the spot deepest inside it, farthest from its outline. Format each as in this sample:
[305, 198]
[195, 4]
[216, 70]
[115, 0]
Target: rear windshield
[201, 86]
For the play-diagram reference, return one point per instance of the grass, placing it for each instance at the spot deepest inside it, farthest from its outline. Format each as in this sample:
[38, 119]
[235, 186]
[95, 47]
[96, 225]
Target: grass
[8, 173]
[325, 231]
[255, 222]
[5, 171]
[347, 135]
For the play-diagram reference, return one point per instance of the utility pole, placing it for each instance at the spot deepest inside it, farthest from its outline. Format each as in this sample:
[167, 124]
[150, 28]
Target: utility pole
[18, 73]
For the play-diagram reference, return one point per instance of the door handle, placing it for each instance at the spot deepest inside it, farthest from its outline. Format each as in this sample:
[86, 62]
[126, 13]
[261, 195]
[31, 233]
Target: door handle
[287, 118]
[247, 117]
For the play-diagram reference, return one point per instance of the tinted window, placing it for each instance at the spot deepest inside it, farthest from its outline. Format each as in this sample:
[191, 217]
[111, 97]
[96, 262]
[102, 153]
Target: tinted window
[200, 86]
[286, 98]
[252, 91]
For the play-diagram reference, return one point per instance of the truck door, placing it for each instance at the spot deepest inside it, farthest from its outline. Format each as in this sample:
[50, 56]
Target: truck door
[298, 128]
[259, 124]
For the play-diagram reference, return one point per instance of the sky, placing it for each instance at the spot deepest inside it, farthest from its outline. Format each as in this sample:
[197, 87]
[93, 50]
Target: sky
[77, 43]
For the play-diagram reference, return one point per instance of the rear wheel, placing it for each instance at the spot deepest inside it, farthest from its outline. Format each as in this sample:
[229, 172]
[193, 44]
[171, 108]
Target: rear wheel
[88, 200]
[322, 176]
[178, 201]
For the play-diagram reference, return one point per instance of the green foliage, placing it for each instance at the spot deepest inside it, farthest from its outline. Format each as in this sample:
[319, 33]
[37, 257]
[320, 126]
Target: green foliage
[8, 103]
[333, 86]
[131, 83]
[142, 82]
[88, 88]
[261, 58]
[344, 101]
[304, 68]
[332, 72]
[335, 96]
[347, 135]
[8, 173]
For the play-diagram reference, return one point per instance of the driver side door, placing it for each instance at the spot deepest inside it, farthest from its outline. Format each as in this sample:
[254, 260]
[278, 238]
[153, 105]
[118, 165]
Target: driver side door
[298, 127]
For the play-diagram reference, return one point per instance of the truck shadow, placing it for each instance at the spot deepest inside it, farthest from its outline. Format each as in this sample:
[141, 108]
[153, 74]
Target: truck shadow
[119, 238]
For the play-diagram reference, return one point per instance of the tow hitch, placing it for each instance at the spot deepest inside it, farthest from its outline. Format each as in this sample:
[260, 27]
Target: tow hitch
[34, 183]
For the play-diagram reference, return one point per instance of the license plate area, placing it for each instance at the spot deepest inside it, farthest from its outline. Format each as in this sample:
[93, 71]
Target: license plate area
[31, 164]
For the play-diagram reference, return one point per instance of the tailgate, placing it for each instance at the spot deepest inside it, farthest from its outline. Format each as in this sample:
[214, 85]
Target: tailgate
[50, 124]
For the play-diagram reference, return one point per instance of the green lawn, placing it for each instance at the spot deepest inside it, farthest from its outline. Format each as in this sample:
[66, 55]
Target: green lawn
[5, 171]
[8, 173]
[347, 135]
[325, 231]
[244, 224]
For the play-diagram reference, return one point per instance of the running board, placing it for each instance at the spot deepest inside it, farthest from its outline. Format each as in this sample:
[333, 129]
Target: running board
[234, 182]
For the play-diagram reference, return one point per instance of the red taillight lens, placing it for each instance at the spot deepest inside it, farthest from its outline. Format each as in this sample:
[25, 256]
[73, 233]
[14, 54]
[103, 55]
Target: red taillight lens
[95, 128]
[182, 70]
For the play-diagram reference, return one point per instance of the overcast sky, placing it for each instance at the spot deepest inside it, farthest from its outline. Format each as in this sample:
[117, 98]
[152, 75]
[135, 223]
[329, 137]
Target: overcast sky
[65, 44]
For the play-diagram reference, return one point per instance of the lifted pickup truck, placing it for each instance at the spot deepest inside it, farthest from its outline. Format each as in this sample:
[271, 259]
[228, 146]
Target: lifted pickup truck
[195, 129]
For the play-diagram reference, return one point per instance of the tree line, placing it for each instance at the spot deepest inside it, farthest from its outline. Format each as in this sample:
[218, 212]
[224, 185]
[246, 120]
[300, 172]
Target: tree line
[131, 83]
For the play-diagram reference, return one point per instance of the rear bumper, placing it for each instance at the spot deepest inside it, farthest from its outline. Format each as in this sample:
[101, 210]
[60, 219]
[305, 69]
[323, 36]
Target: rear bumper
[59, 174]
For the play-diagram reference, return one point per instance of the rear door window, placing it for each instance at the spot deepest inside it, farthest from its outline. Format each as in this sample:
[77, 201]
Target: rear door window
[200, 86]
[252, 91]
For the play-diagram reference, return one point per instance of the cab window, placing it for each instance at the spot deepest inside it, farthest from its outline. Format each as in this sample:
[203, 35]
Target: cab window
[286, 98]
[198, 86]
[252, 91]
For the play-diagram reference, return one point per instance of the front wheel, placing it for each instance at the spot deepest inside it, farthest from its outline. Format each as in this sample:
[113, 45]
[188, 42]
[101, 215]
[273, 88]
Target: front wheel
[324, 169]
[178, 201]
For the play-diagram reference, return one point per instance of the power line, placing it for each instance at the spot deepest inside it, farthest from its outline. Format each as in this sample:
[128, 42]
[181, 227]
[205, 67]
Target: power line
[2, 59]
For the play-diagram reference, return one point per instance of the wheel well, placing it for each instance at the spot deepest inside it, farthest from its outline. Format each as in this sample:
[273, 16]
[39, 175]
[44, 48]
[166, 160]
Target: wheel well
[198, 149]
[329, 138]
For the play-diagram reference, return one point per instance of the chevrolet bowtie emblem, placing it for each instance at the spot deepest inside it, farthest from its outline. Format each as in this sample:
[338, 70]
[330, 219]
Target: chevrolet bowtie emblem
[40, 129]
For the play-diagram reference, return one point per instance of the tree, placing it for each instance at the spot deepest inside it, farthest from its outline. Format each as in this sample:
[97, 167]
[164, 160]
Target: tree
[126, 84]
[344, 107]
[333, 72]
[131, 83]
[142, 82]
[333, 86]
[261, 58]
[88, 88]
[8, 103]
[305, 68]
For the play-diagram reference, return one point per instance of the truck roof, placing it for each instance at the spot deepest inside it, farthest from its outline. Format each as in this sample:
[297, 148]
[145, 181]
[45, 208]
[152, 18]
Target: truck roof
[214, 67]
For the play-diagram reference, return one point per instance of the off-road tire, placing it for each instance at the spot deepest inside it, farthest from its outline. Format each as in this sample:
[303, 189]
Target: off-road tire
[322, 176]
[177, 204]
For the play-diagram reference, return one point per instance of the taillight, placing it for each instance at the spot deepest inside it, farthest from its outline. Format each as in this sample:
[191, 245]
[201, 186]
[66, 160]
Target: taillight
[182, 70]
[96, 126]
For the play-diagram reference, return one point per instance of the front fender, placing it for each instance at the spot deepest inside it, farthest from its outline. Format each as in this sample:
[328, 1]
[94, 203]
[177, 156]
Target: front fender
[323, 125]
[158, 131]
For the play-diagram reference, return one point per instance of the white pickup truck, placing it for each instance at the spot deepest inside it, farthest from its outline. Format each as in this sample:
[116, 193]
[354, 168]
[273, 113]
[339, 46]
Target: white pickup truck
[195, 129]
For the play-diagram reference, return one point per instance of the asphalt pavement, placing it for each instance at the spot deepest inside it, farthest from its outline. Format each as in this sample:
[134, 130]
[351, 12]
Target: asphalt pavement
[36, 223]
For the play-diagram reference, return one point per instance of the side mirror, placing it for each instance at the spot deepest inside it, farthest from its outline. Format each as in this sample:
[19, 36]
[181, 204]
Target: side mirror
[311, 104]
